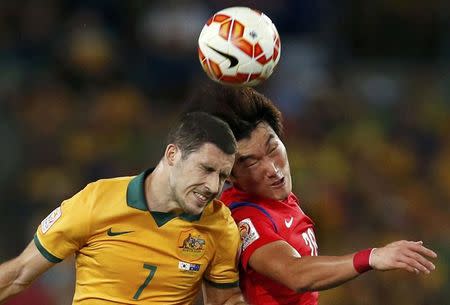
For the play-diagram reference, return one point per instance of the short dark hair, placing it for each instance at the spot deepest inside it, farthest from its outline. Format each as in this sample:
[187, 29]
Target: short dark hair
[197, 128]
[243, 108]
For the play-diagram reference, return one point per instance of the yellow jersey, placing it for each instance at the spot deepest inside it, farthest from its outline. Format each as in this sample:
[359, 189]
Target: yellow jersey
[126, 254]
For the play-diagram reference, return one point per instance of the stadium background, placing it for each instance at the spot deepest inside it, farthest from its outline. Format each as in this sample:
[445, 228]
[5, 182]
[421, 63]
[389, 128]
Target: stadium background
[88, 88]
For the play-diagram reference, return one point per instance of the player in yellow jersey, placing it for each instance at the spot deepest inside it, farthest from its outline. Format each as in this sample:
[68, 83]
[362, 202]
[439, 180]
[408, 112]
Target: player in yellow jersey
[148, 239]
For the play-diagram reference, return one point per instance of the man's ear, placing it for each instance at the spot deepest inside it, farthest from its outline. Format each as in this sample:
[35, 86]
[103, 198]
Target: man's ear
[172, 154]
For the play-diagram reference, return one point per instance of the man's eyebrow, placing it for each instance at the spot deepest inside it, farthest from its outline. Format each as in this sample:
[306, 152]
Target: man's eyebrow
[271, 136]
[225, 173]
[244, 158]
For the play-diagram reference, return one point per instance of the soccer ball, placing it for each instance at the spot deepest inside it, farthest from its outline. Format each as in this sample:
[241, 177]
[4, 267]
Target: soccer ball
[239, 46]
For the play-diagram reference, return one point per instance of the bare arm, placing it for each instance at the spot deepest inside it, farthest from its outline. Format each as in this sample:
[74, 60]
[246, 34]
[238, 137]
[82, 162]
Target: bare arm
[222, 296]
[282, 263]
[18, 273]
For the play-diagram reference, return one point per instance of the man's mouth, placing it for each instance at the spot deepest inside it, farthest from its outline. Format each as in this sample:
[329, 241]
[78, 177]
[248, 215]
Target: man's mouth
[202, 198]
[279, 182]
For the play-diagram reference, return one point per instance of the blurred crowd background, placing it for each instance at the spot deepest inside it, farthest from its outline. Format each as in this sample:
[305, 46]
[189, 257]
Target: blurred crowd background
[89, 88]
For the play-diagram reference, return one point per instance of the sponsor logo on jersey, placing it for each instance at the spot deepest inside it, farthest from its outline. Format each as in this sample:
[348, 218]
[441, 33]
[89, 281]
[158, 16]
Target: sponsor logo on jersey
[288, 223]
[191, 245]
[189, 267]
[248, 232]
[50, 220]
[110, 232]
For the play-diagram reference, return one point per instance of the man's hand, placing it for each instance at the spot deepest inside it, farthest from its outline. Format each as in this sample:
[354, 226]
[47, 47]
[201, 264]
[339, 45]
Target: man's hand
[408, 255]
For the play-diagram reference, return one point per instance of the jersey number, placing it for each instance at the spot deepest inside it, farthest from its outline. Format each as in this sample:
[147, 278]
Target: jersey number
[310, 240]
[147, 280]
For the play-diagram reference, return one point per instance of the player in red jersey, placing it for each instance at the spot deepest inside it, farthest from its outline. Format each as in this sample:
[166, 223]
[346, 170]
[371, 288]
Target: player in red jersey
[279, 260]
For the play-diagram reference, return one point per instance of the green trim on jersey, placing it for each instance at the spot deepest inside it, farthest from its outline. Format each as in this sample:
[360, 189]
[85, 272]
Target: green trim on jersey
[222, 285]
[50, 257]
[136, 199]
[135, 191]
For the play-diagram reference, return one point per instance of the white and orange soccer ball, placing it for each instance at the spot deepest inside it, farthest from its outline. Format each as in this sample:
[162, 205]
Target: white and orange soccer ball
[239, 46]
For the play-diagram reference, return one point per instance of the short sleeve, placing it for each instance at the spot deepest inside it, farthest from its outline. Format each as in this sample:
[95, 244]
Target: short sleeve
[256, 228]
[66, 229]
[223, 270]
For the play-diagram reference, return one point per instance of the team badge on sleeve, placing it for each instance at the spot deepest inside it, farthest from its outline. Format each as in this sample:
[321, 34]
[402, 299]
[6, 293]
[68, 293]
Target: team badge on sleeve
[248, 232]
[48, 222]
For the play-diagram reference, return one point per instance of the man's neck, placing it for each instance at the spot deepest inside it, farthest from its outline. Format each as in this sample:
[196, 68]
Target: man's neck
[157, 190]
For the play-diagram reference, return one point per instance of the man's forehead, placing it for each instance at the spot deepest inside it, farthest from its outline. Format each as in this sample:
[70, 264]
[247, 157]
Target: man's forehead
[258, 139]
[213, 156]
[207, 148]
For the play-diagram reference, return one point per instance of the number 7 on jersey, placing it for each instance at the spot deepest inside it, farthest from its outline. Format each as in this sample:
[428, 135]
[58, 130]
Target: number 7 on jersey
[147, 280]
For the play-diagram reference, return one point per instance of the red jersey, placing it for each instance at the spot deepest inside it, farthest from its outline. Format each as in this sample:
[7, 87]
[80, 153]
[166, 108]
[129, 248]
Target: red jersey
[260, 222]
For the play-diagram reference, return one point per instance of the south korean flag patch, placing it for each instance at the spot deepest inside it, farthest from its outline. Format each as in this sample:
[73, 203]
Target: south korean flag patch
[248, 233]
[48, 222]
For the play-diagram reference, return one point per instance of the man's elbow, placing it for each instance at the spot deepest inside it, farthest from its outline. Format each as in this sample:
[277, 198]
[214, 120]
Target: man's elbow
[309, 284]
[299, 284]
[16, 288]
[304, 288]
[15, 277]
[20, 285]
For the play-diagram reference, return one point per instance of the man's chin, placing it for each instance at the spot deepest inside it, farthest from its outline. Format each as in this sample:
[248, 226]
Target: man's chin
[280, 195]
[194, 211]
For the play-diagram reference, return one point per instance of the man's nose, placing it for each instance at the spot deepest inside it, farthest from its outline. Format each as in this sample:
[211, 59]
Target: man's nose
[272, 169]
[213, 183]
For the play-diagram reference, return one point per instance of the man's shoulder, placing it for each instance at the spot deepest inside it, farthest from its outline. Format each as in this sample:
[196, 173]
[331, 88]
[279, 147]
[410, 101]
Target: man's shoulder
[109, 184]
[217, 209]
[235, 199]
[217, 215]
[114, 180]
[104, 190]
[232, 195]
[243, 205]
